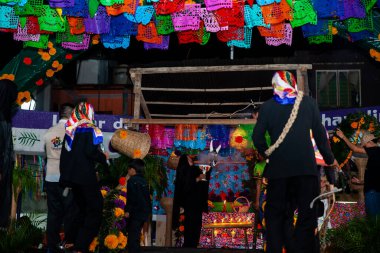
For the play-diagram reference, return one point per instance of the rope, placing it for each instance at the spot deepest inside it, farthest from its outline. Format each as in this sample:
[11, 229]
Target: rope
[288, 125]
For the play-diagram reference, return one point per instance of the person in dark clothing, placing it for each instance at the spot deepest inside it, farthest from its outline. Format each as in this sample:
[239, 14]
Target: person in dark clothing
[190, 197]
[8, 95]
[372, 173]
[82, 149]
[293, 177]
[139, 206]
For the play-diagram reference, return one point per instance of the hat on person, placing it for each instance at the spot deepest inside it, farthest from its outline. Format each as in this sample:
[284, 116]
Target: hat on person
[367, 137]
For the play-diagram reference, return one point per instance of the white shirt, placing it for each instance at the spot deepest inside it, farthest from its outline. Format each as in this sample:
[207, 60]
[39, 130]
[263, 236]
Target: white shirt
[53, 145]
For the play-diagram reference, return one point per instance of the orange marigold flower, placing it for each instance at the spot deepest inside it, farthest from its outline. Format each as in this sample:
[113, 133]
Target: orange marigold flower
[354, 125]
[181, 228]
[55, 64]
[335, 139]
[93, 244]
[22, 97]
[49, 73]
[123, 134]
[40, 51]
[52, 51]
[60, 66]
[45, 56]
[104, 193]
[334, 31]
[137, 153]
[111, 241]
[50, 44]
[122, 241]
[8, 76]
[118, 212]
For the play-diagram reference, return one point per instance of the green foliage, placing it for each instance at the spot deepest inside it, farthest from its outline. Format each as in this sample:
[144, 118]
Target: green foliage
[118, 168]
[360, 235]
[22, 235]
[155, 174]
[349, 126]
[23, 180]
[28, 139]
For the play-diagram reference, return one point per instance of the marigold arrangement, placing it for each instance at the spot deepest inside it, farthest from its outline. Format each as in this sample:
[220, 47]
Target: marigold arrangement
[112, 235]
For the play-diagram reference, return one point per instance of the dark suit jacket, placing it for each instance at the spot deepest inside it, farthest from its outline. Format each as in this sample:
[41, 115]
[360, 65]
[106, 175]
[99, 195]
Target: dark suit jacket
[295, 155]
[78, 165]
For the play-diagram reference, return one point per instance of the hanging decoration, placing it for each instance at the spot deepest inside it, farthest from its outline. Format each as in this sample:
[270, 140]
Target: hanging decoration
[35, 23]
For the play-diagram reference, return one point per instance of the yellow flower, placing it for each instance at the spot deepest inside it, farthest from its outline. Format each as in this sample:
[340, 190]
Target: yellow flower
[118, 212]
[123, 134]
[52, 51]
[45, 56]
[111, 241]
[334, 31]
[104, 193]
[123, 189]
[124, 199]
[93, 244]
[55, 64]
[137, 153]
[49, 73]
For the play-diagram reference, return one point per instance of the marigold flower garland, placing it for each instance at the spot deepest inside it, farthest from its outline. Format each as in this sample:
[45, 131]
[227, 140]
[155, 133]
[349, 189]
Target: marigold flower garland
[353, 126]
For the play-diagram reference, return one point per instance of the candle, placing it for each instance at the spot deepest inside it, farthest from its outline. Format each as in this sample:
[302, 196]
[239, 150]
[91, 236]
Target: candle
[233, 233]
[224, 206]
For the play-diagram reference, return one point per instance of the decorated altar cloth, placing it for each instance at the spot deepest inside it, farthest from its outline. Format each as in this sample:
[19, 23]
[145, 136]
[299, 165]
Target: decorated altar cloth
[228, 230]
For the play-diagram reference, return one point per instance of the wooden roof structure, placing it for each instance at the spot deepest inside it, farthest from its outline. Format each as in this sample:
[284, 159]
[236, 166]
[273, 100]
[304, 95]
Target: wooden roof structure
[157, 100]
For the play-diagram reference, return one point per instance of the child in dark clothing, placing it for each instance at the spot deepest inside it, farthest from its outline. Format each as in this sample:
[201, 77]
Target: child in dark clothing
[138, 208]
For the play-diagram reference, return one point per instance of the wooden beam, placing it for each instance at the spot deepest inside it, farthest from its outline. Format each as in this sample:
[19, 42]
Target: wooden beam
[199, 104]
[145, 107]
[190, 121]
[201, 115]
[206, 90]
[136, 79]
[228, 68]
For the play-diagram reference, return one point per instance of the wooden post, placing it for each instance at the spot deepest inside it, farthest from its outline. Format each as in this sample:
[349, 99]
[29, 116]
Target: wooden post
[136, 79]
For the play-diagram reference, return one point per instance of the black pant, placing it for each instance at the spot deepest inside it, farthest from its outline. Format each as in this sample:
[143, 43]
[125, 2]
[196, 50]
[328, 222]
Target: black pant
[90, 203]
[134, 232]
[283, 197]
[193, 225]
[61, 210]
